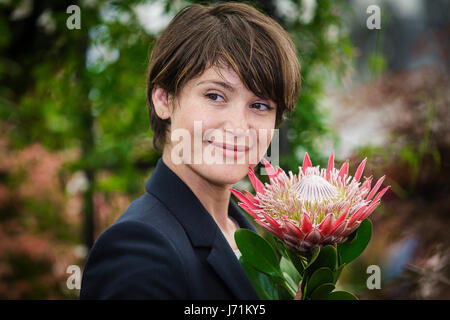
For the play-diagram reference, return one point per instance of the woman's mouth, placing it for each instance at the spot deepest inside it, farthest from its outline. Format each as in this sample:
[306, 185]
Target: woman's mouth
[230, 150]
[232, 147]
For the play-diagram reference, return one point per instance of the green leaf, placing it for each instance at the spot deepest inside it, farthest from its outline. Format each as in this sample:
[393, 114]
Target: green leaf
[322, 257]
[322, 291]
[283, 292]
[297, 261]
[279, 246]
[338, 272]
[288, 267]
[327, 257]
[320, 276]
[257, 252]
[262, 283]
[304, 287]
[352, 250]
[289, 283]
[340, 295]
[314, 256]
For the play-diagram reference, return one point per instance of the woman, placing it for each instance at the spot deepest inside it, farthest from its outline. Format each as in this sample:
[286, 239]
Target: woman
[220, 79]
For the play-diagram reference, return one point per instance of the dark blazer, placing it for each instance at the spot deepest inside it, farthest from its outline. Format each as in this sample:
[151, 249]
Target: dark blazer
[166, 246]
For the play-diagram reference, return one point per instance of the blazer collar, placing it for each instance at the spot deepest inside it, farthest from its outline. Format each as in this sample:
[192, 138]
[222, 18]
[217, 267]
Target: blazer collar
[201, 228]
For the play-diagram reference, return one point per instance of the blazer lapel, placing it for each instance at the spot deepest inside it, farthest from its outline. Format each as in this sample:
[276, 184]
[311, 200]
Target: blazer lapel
[223, 260]
[221, 254]
[201, 228]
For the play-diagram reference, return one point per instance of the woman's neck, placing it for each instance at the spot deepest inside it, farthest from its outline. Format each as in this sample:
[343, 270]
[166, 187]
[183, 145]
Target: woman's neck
[215, 198]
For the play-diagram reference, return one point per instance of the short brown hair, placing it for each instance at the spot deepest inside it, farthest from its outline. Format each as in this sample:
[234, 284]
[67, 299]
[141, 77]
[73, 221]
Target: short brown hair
[258, 49]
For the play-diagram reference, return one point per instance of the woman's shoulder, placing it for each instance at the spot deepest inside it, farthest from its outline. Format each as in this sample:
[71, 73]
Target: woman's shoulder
[144, 209]
[121, 265]
[126, 251]
[147, 217]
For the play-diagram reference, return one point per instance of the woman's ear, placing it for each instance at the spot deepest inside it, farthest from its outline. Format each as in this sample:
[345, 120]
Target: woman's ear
[160, 99]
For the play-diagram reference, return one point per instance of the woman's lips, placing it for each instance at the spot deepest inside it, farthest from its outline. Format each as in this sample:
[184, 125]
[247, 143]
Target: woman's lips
[231, 147]
[230, 150]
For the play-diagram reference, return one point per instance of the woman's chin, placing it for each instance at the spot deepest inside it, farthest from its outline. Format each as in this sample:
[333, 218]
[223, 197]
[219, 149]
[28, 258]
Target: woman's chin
[223, 174]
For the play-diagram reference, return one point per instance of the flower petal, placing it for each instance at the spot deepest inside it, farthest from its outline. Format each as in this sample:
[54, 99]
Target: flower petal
[306, 163]
[279, 171]
[271, 220]
[330, 166]
[350, 228]
[338, 229]
[306, 225]
[258, 185]
[340, 220]
[344, 170]
[360, 170]
[375, 203]
[276, 231]
[270, 170]
[381, 193]
[367, 184]
[357, 214]
[326, 225]
[244, 199]
[293, 230]
[250, 211]
[314, 236]
[375, 188]
[369, 210]
[249, 196]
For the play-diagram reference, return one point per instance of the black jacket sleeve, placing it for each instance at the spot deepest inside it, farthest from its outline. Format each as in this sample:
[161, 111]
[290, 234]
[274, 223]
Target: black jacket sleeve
[133, 260]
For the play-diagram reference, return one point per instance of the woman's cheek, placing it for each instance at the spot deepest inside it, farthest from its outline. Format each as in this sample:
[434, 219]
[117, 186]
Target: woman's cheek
[268, 136]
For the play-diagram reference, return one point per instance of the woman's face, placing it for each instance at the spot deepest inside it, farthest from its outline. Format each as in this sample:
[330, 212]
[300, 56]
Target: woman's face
[218, 127]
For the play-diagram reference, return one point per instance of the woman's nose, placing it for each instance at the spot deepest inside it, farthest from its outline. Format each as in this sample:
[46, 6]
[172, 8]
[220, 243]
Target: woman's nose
[237, 118]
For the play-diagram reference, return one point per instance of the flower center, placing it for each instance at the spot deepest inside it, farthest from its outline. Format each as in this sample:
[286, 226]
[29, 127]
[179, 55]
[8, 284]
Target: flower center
[315, 188]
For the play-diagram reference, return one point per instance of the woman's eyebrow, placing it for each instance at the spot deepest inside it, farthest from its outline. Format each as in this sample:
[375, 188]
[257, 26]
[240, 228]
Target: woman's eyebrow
[220, 83]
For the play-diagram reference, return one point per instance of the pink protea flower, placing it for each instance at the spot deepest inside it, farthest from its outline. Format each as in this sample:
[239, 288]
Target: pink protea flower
[315, 207]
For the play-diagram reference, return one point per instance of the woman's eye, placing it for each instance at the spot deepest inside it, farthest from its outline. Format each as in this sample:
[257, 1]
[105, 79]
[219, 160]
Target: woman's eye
[261, 106]
[214, 96]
